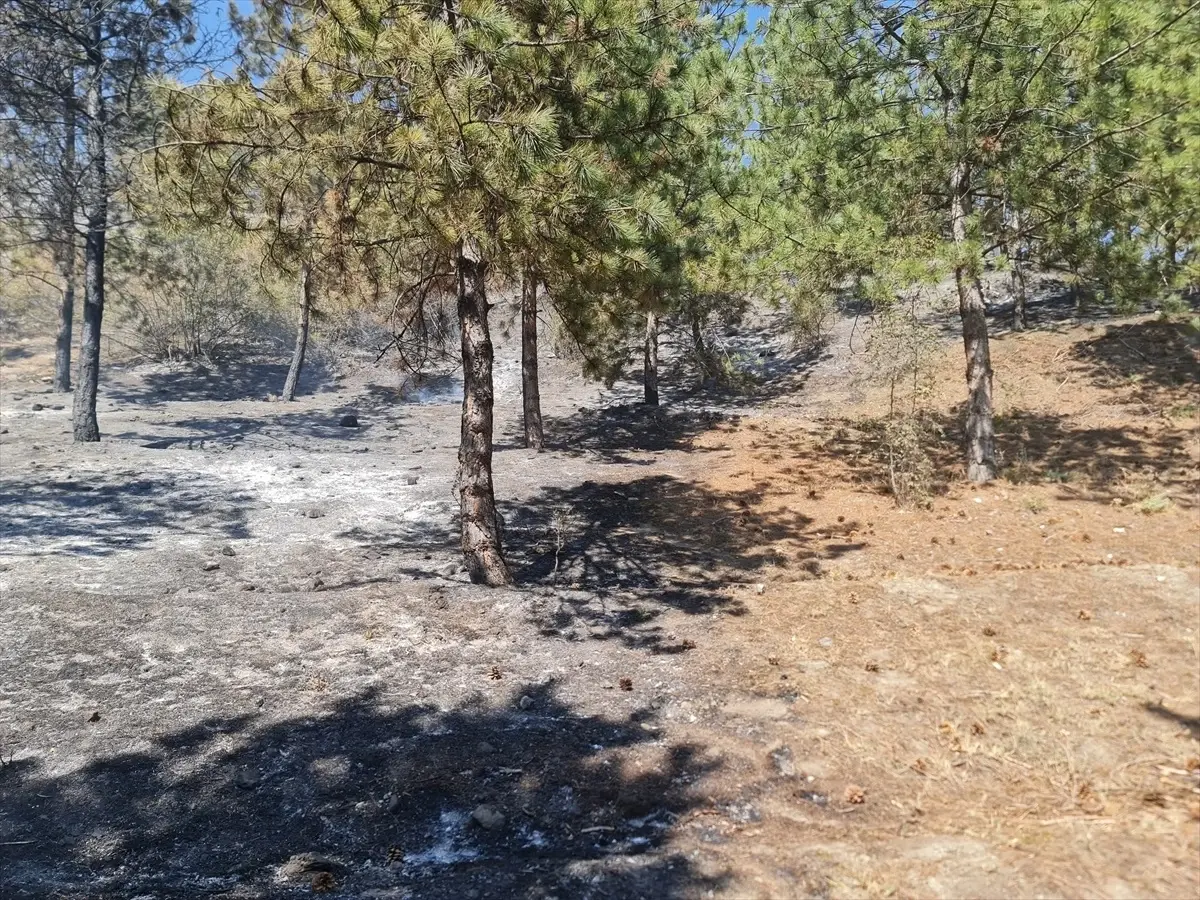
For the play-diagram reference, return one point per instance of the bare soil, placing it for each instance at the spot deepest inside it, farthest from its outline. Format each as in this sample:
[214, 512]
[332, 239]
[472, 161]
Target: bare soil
[238, 657]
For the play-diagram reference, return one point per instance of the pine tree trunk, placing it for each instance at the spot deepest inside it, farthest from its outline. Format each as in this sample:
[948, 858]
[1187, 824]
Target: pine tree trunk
[83, 415]
[66, 321]
[701, 349]
[483, 553]
[66, 255]
[293, 375]
[1020, 320]
[530, 390]
[650, 361]
[980, 424]
[1171, 252]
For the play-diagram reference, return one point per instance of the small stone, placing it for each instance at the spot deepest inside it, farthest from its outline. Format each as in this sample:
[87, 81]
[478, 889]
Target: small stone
[246, 586]
[488, 817]
[227, 551]
[316, 584]
[759, 588]
[348, 421]
[825, 642]
[37, 407]
[526, 702]
[485, 747]
[410, 479]
[393, 804]
[248, 778]
[305, 864]
[58, 407]
[94, 717]
[211, 566]
[3, 431]
[314, 513]
[784, 762]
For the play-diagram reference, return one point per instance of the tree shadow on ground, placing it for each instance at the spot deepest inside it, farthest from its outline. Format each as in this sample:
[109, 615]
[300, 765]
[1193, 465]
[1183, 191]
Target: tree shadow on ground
[103, 514]
[219, 382]
[613, 433]
[766, 362]
[1101, 464]
[8, 354]
[1051, 306]
[382, 794]
[621, 554]
[227, 432]
[1190, 723]
[1158, 359]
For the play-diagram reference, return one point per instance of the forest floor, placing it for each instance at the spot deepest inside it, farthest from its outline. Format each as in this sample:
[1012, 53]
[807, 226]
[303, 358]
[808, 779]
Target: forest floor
[238, 657]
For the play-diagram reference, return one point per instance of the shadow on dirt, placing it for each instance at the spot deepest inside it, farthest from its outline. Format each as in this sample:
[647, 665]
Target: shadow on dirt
[382, 796]
[1098, 464]
[765, 362]
[1190, 723]
[620, 554]
[1039, 447]
[614, 432]
[220, 382]
[101, 516]
[1152, 357]
[10, 354]
[226, 432]
[1051, 306]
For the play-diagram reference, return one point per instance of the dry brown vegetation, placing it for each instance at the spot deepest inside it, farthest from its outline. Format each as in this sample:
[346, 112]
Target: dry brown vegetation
[1011, 674]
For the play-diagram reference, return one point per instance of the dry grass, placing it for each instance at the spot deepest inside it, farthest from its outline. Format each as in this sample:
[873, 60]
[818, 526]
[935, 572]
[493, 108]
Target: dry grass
[1001, 692]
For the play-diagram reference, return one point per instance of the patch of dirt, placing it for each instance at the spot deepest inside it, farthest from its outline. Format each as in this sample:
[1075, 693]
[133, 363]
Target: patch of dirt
[240, 659]
[1011, 675]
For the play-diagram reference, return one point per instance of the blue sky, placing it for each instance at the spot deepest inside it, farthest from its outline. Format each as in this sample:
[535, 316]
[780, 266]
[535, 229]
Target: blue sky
[213, 19]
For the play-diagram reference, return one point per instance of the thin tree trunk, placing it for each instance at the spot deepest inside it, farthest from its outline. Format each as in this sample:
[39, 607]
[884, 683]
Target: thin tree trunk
[84, 424]
[1171, 248]
[530, 391]
[66, 322]
[293, 375]
[650, 361]
[65, 253]
[1020, 320]
[703, 358]
[483, 552]
[980, 424]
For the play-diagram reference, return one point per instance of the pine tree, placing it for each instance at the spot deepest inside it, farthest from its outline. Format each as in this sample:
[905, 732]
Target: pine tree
[39, 178]
[907, 126]
[478, 140]
[108, 52]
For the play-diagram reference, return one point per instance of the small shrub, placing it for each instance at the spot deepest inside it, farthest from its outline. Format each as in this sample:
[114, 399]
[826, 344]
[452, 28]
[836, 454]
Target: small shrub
[1155, 503]
[905, 444]
[1035, 504]
[1183, 411]
[192, 297]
